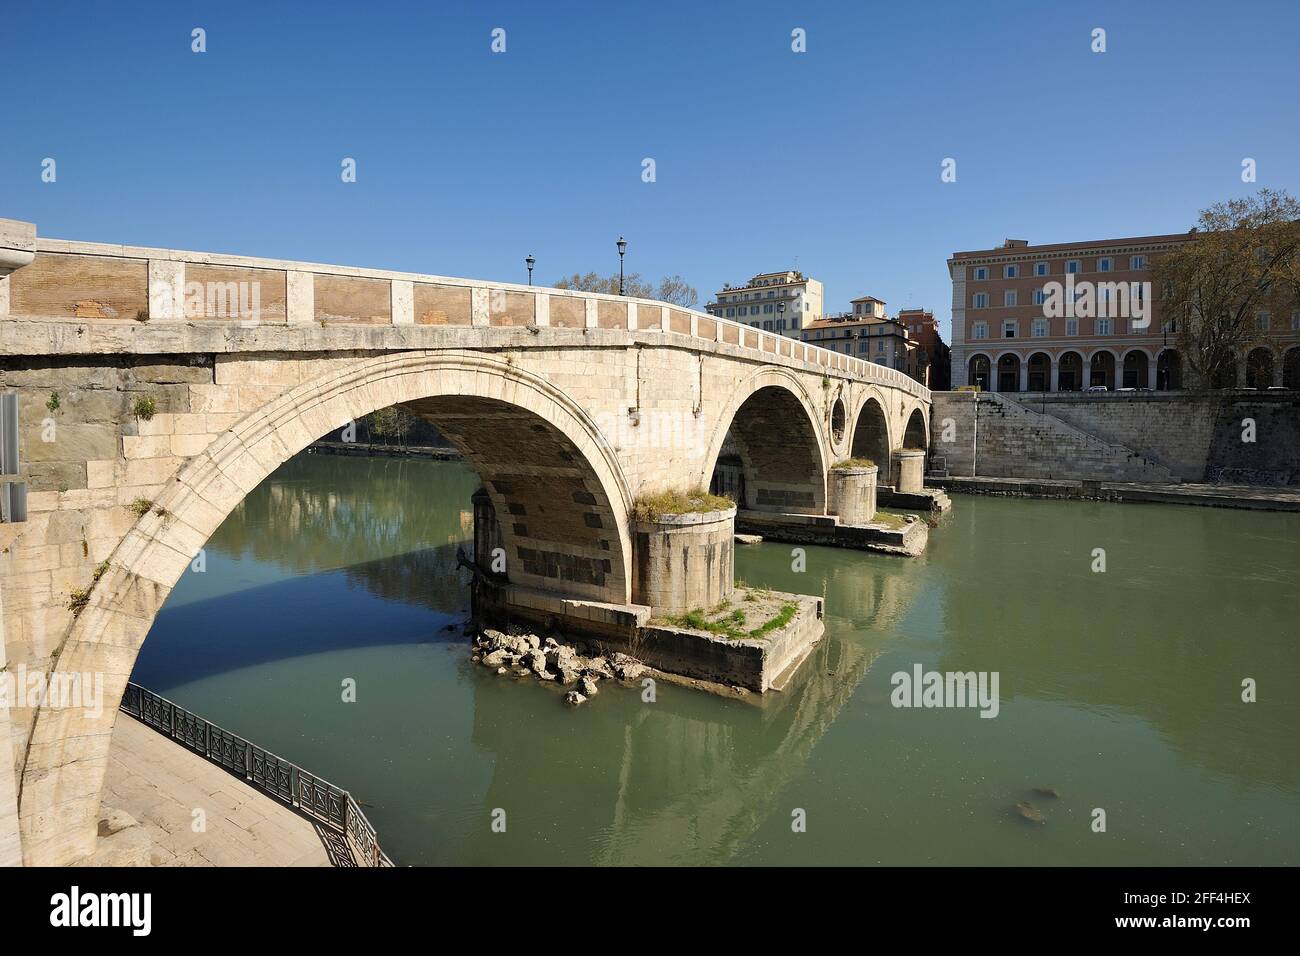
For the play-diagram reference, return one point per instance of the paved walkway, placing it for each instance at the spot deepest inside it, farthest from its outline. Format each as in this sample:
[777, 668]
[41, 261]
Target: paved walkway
[1254, 497]
[160, 784]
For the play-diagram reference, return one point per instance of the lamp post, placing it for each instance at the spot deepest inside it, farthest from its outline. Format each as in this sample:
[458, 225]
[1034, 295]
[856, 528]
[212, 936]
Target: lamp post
[780, 317]
[530, 262]
[622, 248]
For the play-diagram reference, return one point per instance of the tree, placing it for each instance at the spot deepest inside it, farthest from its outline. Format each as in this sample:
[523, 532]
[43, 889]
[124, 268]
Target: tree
[391, 424]
[674, 290]
[1244, 259]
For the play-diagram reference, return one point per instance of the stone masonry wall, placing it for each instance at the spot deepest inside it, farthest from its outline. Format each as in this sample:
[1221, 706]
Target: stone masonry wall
[1134, 437]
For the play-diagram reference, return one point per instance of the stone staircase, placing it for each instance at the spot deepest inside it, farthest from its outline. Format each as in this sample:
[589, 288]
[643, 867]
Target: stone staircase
[1017, 441]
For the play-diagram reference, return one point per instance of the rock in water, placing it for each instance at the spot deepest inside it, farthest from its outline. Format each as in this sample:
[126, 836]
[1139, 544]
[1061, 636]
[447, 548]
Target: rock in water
[587, 686]
[1048, 792]
[502, 671]
[626, 668]
[495, 659]
[1027, 811]
[597, 667]
[537, 664]
[573, 698]
[567, 674]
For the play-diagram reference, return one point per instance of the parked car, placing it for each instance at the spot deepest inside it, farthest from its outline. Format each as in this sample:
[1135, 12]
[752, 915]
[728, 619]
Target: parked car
[1098, 388]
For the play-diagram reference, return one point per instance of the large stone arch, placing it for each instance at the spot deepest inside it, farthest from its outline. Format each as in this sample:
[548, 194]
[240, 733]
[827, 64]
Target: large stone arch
[67, 757]
[872, 436]
[917, 432]
[781, 444]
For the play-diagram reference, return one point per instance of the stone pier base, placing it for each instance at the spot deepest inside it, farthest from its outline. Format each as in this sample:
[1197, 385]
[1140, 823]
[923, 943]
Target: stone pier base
[852, 494]
[683, 562]
[909, 540]
[753, 664]
[908, 470]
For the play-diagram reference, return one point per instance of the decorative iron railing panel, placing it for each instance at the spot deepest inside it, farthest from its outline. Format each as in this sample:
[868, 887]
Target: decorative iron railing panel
[273, 775]
[362, 834]
[190, 729]
[321, 799]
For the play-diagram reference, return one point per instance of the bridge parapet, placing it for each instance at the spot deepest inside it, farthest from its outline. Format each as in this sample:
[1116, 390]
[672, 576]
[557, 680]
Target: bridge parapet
[132, 287]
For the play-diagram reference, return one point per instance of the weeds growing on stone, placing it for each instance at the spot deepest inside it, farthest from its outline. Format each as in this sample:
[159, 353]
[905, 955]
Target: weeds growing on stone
[144, 408]
[653, 507]
[77, 599]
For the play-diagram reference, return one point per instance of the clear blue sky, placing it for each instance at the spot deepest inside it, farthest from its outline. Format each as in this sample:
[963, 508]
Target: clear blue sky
[468, 160]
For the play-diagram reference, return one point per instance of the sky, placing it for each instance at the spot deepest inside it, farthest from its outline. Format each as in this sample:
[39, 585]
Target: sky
[468, 160]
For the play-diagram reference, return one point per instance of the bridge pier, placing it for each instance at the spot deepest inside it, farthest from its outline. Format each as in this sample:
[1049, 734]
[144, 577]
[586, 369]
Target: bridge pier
[684, 562]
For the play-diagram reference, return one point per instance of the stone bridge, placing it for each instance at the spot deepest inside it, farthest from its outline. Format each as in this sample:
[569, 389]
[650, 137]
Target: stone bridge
[156, 388]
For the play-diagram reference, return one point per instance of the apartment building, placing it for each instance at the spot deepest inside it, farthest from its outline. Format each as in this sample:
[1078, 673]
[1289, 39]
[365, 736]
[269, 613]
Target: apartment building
[928, 356]
[1070, 316]
[784, 302]
[865, 332]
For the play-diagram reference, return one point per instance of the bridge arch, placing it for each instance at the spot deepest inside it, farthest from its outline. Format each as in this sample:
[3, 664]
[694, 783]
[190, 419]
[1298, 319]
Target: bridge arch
[550, 440]
[917, 432]
[871, 435]
[777, 436]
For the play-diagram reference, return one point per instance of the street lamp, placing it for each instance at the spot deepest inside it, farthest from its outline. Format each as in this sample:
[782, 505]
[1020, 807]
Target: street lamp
[622, 248]
[530, 262]
[780, 317]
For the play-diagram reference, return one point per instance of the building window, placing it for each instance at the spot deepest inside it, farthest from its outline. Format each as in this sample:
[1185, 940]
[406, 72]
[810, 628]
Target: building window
[980, 330]
[1041, 269]
[1009, 329]
[1295, 320]
[1040, 297]
[981, 273]
[1102, 327]
[880, 346]
[1039, 329]
[1072, 267]
[731, 313]
[1263, 320]
[980, 301]
[1071, 326]
[1009, 272]
[1009, 297]
[1137, 262]
[1104, 265]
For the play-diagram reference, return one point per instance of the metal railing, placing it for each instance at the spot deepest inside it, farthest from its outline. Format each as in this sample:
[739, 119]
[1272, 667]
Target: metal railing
[286, 782]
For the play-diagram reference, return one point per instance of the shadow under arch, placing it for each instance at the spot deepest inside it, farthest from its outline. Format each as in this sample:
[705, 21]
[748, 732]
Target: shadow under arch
[67, 754]
[774, 442]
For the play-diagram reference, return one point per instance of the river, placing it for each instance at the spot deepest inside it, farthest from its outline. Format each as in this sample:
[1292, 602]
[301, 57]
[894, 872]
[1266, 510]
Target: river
[1121, 690]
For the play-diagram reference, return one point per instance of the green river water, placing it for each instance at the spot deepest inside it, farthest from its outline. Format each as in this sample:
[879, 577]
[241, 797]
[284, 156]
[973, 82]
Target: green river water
[1121, 690]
